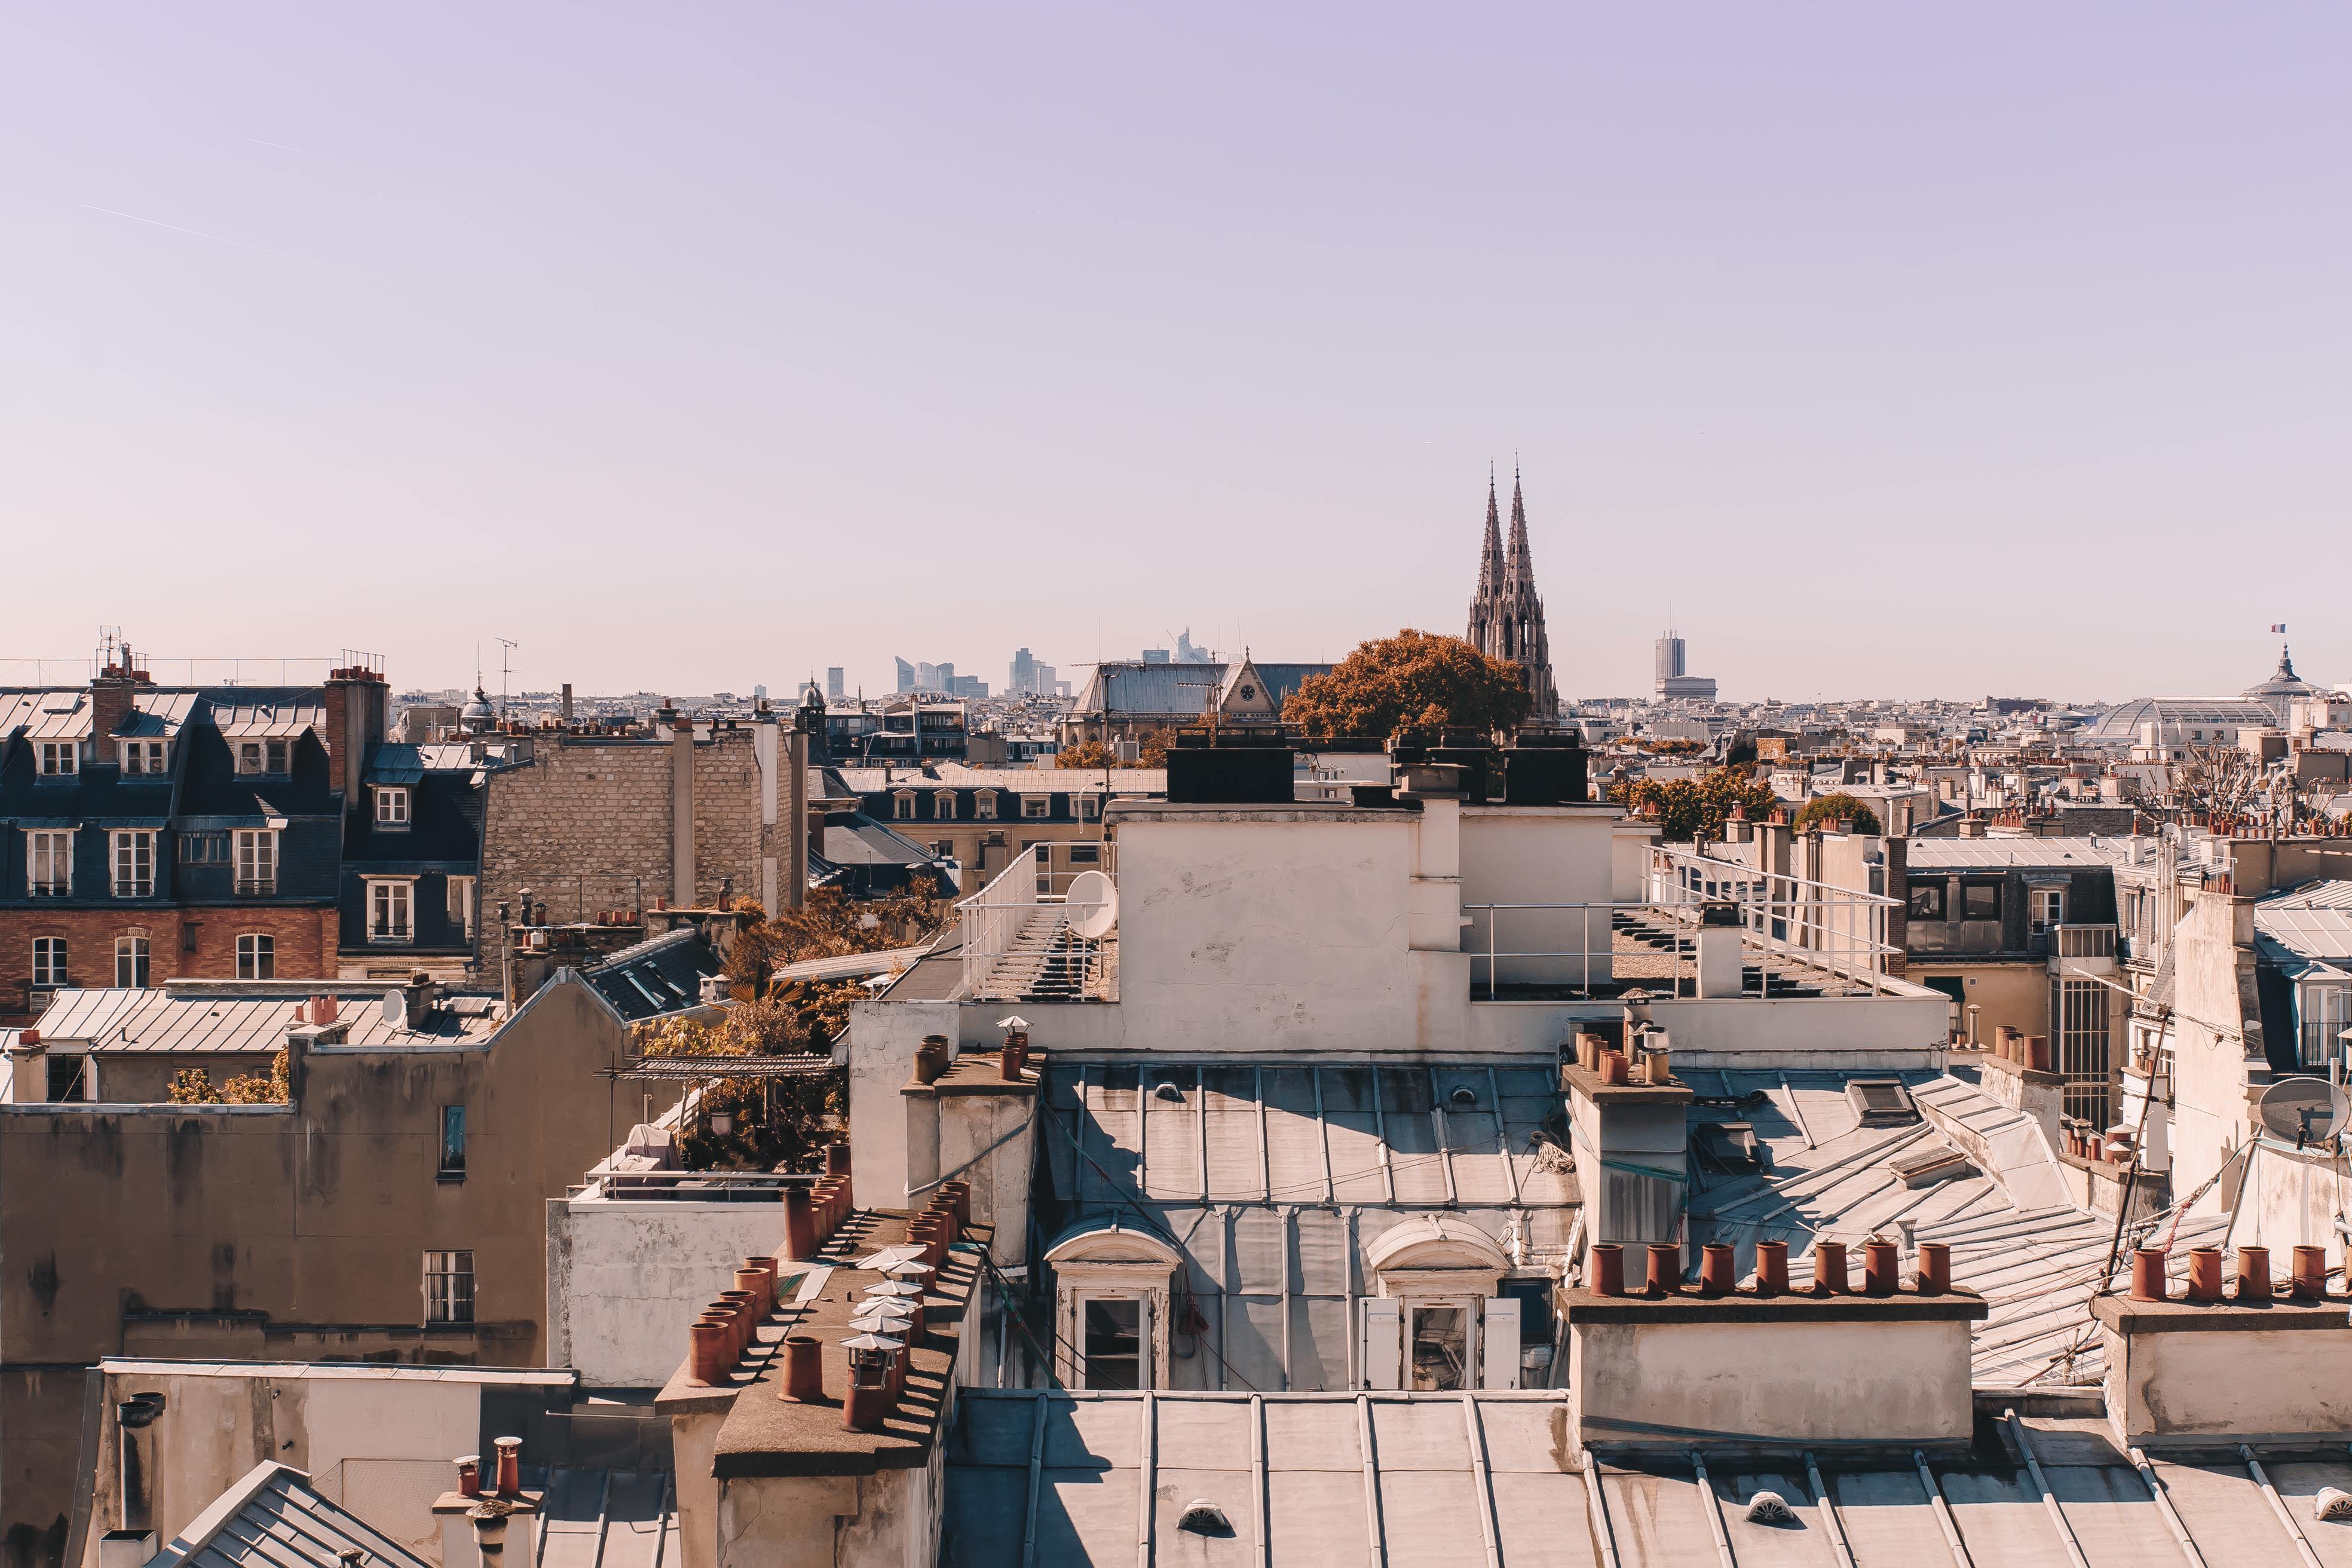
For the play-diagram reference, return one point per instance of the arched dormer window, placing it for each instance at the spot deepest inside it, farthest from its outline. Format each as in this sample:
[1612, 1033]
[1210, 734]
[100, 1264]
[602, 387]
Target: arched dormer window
[1439, 1323]
[1110, 1306]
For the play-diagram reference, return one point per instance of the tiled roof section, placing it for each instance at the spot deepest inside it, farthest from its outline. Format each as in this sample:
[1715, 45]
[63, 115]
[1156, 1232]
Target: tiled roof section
[656, 977]
[273, 1518]
[224, 1020]
[2015, 1238]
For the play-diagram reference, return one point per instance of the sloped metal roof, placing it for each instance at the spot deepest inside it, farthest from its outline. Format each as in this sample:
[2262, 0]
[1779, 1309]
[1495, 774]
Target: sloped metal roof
[180, 1020]
[274, 1518]
[1930, 854]
[1045, 1478]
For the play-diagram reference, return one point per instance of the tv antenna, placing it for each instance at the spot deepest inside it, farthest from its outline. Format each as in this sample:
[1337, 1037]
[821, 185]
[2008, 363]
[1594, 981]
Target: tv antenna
[505, 667]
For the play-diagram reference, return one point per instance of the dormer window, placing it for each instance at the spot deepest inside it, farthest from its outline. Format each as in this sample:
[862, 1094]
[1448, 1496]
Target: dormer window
[60, 759]
[1036, 808]
[142, 757]
[264, 756]
[903, 805]
[983, 804]
[392, 807]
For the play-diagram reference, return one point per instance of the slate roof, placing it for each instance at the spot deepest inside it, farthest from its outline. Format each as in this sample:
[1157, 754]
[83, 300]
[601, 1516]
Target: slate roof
[1174, 690]
[274, 1518]
[661, 975]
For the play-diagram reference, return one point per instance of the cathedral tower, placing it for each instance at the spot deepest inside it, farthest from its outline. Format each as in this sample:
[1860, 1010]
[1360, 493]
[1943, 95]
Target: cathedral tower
[1506, 618]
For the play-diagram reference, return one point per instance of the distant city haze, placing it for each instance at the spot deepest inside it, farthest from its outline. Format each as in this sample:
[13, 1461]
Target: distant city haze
[1878, 352]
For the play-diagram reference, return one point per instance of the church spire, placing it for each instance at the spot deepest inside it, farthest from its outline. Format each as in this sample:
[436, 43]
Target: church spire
[1490, 563]
[1521, 565]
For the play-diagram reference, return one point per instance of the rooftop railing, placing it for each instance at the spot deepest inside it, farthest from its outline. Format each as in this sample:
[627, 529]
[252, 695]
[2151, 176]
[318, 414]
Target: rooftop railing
[1024, 938]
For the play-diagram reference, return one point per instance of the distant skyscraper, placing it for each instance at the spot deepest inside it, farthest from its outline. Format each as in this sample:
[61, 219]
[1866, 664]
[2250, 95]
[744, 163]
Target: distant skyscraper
[905, 674]
[1670, 658]
[1674, 681]
[832, 682]
[1188, 653]
[1506, 618]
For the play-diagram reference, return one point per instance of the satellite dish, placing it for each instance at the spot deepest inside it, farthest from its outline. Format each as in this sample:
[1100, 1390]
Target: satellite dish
[395, 1007]
[2303, 1110]
[1094, 898]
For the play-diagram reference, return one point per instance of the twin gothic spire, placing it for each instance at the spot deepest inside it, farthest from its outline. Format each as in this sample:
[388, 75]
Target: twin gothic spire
[1506, 618]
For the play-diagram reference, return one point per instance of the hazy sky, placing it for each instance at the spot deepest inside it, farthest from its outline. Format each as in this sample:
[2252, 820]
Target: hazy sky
[1991, 348]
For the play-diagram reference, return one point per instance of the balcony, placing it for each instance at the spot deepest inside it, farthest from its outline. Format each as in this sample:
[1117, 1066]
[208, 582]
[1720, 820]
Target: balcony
[50, 886]
[256, 886]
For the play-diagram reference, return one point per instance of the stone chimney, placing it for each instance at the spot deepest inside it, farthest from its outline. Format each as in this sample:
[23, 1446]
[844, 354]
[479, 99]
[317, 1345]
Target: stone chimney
[359, 714]
[681, 805]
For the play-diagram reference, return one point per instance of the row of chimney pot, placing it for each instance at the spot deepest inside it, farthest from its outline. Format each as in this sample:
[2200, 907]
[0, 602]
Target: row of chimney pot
[2031, 1052]
[2306, 1282]
[879, 1359]
[728, 1327]
[1016, 1059]
[506, 1479]
[1882, 1265]
[1616, 1068]
[2085, 1143]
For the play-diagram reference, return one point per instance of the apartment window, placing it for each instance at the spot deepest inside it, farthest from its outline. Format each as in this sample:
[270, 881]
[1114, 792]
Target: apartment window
[453, 1141]
[1090, 808]
[131, 960]
[48, 961]
[1980, 900]
[264, 756]
[1086, 853]
[2079, 1010]
[460, 910]
[983, 804]
[257, 861]
[943, 804]
[2326, 1014]
[48, 862]
[204, 848]
[902, 805]
[2049, 909]
[391, 806]
[60, 759]
[135, 863]
[1441, 1347]
[257, 956]
[1035, 807]
[448, 1287]
[388, 911]
[143, 756]
[1927, 900]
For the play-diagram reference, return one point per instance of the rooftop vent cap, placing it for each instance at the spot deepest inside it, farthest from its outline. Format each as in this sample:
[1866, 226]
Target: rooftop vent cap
[1770, 1508]
[1169, 1089]
[2331, 1503]
[1202, 1517]
[1881, 1101]
[1463, 1099]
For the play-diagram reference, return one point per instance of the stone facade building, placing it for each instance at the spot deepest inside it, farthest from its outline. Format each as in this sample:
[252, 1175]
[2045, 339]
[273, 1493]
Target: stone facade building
[592, 821]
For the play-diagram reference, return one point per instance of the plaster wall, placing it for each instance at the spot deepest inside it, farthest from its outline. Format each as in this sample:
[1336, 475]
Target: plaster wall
[1000, 1181]
[2289, 1200]
[2230, 1383]
[625, 1279]
[1900, 1383]
[880, 1043]
[1539, 854]
[2017, 994]
[1292, 935]
[694, 1440]
[2217, 1037]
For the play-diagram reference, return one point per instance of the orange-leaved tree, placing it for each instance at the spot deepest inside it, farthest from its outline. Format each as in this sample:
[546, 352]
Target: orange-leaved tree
[1409, 688]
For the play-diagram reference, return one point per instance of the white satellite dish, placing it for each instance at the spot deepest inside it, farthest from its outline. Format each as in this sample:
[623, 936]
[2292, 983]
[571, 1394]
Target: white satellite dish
[395, 1007]
[2303, 1110]
[1094, 902]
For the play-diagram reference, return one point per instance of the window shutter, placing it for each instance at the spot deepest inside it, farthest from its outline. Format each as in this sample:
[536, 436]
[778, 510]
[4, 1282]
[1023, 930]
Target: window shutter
[1501, 1330]
[1383, 1362]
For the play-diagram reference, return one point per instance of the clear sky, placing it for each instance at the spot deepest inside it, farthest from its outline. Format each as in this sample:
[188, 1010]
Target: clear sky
[1904, 351]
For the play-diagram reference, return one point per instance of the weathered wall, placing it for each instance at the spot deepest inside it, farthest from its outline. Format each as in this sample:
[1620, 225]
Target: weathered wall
[2017, 994]
[625, 1279]
[2230, 1383]
[2217, 1041]
[316, 1214]
[1898, 1382]
[589, 822]
[304, 943]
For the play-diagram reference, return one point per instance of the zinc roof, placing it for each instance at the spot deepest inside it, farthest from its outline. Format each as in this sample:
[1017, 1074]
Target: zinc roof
[179, 1020]
[273, 1518]
[1933, 853]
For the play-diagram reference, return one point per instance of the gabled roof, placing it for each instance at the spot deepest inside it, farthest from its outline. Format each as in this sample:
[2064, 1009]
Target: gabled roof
[274, 1518]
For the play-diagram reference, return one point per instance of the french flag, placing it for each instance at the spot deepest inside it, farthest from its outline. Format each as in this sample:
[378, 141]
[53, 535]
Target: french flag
[2279, 629]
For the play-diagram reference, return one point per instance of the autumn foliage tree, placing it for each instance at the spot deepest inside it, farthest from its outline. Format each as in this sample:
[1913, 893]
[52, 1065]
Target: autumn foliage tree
[1829, 810]
[1410, 688]
[1697, 808]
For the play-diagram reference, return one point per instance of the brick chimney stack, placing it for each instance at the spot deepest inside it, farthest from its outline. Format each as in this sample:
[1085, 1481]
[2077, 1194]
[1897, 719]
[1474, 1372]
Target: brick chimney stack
[359, 715]
[112, 697]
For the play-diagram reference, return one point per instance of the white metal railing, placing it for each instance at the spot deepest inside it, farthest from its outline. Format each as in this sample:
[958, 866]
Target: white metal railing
[1807, 923]
[1025, 936]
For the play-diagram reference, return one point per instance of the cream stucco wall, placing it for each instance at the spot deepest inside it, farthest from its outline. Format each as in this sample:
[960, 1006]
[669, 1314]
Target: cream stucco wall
[1902, 1382]
[2217, 1042]
[625, 1280]
[2236, 1384]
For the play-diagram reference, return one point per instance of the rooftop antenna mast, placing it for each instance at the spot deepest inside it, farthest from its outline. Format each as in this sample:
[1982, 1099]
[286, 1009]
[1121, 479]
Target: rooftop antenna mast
[505, 667]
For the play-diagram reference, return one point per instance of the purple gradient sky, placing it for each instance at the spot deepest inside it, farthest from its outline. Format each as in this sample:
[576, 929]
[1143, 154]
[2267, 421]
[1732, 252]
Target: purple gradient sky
[2005, 349]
